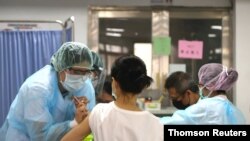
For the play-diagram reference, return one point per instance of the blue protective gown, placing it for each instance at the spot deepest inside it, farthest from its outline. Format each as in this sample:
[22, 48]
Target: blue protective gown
[40, 112]
[215, 110]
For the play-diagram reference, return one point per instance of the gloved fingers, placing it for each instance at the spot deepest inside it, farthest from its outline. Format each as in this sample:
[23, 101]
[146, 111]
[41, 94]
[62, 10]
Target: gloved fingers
[79, 101]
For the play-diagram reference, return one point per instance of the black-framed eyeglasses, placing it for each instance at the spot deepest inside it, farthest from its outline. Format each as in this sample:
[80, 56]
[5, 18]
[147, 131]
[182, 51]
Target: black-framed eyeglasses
[78, 71]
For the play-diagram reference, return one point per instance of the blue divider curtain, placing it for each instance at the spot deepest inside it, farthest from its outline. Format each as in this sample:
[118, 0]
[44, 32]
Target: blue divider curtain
[21, 54]
[69, 32]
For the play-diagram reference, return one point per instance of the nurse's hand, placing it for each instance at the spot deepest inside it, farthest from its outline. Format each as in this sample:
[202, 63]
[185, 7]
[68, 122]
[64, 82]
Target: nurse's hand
[81, 112]
[80, 100]
[81, 108]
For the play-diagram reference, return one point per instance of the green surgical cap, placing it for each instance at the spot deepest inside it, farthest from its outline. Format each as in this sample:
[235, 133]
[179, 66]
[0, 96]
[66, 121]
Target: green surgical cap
[72, 54]
[97, 61]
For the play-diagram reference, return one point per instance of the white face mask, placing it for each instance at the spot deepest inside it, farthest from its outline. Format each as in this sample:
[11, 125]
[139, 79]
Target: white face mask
[114, 95]
[74, 82]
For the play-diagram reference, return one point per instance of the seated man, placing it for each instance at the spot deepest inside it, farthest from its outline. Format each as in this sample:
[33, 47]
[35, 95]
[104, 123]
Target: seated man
[182, 90]
[213, 107]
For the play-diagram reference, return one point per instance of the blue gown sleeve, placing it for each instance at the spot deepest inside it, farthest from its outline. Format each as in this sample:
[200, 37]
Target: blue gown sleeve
[38, 118]
[192, 115]
[216, 110]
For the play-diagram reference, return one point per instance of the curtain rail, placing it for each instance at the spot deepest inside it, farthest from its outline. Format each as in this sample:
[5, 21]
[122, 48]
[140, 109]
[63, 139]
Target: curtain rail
[72, 21]
[33, 21]
[62, 24]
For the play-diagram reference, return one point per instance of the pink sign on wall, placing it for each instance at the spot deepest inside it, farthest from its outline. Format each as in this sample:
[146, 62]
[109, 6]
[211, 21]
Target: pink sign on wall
[190, 49]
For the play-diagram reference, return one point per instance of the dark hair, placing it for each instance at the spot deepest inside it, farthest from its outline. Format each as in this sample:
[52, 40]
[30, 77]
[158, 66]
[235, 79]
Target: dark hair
[131, 74]
[181, 81]
[107, 85]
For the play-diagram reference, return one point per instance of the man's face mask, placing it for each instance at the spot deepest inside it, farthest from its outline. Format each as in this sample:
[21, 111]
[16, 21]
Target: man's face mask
[179, 105]
[180, 101]
[74, 82]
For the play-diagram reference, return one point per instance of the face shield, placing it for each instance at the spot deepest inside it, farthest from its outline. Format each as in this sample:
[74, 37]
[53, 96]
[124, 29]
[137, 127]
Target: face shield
[98, 73]
[98, 79]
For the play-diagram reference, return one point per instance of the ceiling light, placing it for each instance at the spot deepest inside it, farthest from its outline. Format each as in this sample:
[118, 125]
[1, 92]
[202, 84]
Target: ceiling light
[211, 35]
[217, 27]
[113, 34]
[115, 29]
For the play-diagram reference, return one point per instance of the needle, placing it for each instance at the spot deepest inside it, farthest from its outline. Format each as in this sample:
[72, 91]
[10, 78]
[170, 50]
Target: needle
[75, 98]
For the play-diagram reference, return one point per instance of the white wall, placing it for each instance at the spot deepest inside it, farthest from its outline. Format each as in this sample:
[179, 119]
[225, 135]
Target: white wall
[242, 51]
[48, 10]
